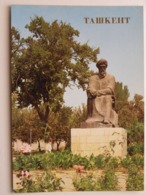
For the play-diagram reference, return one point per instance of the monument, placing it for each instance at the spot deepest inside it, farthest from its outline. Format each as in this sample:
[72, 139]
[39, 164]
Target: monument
[101, 99]
[100, 133]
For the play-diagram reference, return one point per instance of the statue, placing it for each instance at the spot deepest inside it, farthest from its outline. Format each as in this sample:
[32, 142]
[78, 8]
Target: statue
[101, 99]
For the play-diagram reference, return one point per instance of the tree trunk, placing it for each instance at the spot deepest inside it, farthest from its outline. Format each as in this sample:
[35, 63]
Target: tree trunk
[43, 116]
[39, 146]
[58, 144]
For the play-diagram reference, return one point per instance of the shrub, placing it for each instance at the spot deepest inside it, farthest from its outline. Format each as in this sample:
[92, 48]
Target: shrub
[86, 183]
[46, 182]
[135, 180]
[100, 161]
[21, 162]
[136, 148]
[136, 159]
[107, 182]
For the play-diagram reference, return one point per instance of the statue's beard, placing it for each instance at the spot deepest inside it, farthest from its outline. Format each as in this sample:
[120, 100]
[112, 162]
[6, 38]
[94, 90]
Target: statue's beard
[102, 74]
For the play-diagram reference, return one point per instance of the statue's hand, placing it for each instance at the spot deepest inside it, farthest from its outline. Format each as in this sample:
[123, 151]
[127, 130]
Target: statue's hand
[93, 93]
[102, 92]
[98, 93]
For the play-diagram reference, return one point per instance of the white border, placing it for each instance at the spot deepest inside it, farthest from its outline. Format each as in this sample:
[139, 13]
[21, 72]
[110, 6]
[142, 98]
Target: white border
[5, 146]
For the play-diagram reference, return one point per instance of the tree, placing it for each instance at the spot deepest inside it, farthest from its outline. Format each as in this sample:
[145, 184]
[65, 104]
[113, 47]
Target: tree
[59, 126]
[51, 58]
[16, 51]
[131, 117]
[17, 118]
[137, 105]
[26, 125]
[79, 115]
[121, 95]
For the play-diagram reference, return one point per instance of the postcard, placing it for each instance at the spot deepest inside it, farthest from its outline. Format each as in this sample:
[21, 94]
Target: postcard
[77, 98]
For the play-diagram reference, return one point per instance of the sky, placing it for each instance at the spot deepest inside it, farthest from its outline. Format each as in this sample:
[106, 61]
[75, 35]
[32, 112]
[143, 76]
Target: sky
[121, 44]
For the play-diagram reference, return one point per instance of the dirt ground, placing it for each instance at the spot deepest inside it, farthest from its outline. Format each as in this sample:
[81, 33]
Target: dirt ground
[68, 176]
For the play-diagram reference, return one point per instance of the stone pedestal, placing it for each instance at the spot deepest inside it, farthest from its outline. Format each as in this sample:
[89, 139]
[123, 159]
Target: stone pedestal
[87, 141]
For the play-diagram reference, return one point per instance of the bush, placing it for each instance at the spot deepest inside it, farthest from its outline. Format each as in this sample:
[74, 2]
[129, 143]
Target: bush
[46, 182]
[136, 148]
[107, 182]
[135, 180]
[100, 161]
[136, 159]
[86, 183]
[136, 138]
[23, 162]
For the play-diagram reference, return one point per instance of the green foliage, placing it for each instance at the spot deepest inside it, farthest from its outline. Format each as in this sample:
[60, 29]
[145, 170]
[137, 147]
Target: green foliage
[49, 60]
[46, 182]
[131, 117]
[138, 107]
[135, 180]
[100, 161]
[26, 125]
[60, 160]
[17, 118]
[128, 110]
[42, 66]
[107, 182]
[114, 162]
[16, 50]
[27, 162]
[135, 137]
[136, 133]
[121, 95]
[136, 148]
[42, 161]
[136, 159]
[59, 125]
[86, 183]
[79, 115]
[64, 160]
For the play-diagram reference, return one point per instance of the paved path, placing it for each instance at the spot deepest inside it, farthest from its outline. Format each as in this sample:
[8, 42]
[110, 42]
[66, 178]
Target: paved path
[68, 176]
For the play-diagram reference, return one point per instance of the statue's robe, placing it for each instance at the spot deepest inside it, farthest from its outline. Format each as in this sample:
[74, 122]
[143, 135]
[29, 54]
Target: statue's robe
[100, 107]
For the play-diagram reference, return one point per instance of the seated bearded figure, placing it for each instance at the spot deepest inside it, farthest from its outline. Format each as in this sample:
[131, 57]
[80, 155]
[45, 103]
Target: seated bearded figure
[101, 99]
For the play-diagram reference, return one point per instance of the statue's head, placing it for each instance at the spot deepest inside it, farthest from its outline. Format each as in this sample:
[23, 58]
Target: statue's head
[102, 65]
[102, 62]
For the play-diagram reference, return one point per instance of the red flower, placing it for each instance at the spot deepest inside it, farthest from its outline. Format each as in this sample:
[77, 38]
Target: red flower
[79, 168]
[25, 173]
